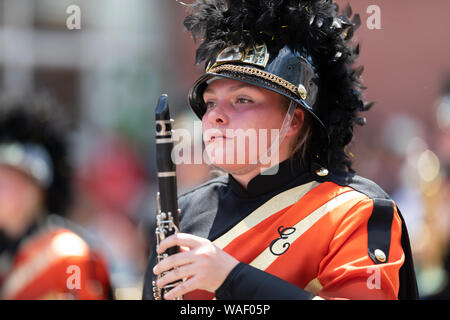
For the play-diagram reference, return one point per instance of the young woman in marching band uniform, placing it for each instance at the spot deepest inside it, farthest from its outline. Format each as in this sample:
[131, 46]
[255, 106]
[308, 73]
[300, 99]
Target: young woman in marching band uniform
[302, 225]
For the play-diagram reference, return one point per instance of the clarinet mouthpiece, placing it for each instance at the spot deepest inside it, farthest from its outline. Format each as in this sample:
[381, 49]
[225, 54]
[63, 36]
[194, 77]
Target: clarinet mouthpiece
[162, 108]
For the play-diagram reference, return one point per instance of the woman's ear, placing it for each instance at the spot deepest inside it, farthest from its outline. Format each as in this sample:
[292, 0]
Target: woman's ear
[297, 122]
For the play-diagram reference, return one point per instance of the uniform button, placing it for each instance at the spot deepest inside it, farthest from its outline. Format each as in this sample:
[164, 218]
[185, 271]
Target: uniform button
[322, 172]
[380, 255]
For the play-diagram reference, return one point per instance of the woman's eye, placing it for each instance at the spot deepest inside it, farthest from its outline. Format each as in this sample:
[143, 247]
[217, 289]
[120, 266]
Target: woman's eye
[244, 100]
[210, 104]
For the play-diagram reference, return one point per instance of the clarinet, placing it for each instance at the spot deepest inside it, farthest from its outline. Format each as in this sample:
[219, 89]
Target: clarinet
[167, 217]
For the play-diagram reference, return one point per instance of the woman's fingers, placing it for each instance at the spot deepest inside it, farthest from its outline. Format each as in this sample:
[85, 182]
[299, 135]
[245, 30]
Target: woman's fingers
[181, 289]
[179, 239]
[175, 275]
[173, 261]
[203, 264]
[186, 242]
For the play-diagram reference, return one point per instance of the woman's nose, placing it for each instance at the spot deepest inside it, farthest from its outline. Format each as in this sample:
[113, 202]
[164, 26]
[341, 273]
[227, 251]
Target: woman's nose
[218, 116]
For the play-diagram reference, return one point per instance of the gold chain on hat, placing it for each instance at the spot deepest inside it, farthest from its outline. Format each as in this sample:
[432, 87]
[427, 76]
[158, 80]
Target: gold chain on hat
[300, 90]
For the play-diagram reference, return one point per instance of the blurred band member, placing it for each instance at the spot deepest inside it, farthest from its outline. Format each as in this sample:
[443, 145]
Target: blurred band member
[41, 257]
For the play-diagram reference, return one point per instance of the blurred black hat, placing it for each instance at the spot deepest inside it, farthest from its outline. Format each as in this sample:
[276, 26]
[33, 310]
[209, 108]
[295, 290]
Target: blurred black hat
[33, 135]
[298, 48]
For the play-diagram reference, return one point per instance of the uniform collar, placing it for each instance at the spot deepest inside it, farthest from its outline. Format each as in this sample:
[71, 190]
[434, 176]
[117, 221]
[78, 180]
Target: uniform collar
[263, 184]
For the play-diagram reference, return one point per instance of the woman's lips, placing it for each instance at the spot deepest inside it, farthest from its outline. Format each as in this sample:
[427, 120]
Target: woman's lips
[217, 138]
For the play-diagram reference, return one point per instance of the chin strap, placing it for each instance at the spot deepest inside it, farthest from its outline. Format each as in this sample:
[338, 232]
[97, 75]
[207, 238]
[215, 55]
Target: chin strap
[271, 155]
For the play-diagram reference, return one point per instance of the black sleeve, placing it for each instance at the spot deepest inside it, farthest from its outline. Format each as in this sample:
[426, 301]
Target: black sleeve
[248, 283]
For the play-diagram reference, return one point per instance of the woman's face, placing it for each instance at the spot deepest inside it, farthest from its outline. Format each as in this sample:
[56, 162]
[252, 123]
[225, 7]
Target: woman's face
[240, 122]
[20, 201]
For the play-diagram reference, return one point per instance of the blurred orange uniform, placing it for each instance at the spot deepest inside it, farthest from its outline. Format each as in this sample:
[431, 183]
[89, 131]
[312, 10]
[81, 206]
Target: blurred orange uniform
[56, 264]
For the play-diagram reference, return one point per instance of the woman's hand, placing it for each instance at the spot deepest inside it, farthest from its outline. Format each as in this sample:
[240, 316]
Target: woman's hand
[203, 264]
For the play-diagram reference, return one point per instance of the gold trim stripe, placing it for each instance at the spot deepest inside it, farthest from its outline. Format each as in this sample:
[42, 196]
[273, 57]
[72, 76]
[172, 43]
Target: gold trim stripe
[258, 73]
[314, 286]
[266, 258]
[274, 205]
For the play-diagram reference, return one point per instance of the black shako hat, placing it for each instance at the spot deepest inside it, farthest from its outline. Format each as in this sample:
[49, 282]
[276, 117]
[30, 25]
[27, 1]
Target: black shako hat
[288, 73]
[298, 48]
[34, 139]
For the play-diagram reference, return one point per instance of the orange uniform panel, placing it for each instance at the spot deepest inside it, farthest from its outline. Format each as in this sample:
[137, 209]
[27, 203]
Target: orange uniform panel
[322, 246]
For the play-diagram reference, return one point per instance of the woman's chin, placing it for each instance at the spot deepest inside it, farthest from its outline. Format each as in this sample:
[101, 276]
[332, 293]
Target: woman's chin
[233, 161]
[231, 168]
[226, 161]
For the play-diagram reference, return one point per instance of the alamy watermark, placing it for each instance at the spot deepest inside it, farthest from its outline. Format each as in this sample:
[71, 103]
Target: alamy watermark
[373, 22]
[73, 281]
[73, 21]
[226, 147]
[374, 280]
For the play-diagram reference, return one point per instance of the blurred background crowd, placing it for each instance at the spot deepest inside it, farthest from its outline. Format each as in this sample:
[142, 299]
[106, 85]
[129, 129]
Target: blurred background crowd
[107, 76]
